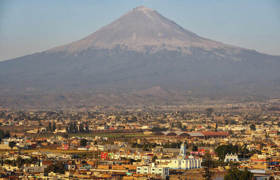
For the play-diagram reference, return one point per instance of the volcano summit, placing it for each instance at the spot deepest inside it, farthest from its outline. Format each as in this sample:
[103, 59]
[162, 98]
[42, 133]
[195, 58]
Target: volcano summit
[139, 30]
[137, 52]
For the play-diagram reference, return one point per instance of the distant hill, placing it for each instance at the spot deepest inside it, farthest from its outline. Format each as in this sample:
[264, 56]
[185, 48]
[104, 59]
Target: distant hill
[142, 57]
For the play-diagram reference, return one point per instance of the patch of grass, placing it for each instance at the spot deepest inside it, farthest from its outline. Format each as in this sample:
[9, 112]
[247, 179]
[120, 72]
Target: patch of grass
[109, 135]
[59, 151]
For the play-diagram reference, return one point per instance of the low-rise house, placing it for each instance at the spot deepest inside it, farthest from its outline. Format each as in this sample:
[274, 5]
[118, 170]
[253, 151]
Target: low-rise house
[231, 157]
[153, 170]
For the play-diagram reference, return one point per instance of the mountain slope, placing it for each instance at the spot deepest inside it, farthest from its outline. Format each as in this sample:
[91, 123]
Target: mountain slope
[140, 29]
[137, 52]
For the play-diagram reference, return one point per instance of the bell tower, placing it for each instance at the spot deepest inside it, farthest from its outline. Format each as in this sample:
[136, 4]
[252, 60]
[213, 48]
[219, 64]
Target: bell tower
[183, 150]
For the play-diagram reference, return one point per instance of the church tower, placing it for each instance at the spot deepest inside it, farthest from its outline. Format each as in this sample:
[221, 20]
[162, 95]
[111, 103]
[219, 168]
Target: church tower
[182, 151]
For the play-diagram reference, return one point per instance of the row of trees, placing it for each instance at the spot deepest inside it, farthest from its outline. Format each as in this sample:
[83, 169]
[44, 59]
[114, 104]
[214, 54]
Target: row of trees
[236, 174]
[222, 150]
[207, 164]
[73, 127]
[148, 145]
[233, 173]
[145, 146]
[19, 162]
[4, 134]
[172, 145]
[51, 127]
[57, 167]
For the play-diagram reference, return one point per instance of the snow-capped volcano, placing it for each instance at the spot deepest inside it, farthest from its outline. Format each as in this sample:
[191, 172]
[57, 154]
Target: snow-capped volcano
[140, 57]
[140, 29]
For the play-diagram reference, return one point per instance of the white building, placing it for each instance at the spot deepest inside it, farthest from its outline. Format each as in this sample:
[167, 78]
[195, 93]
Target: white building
[189, 163]
[181, 162]
[152, 169]
[231, 157]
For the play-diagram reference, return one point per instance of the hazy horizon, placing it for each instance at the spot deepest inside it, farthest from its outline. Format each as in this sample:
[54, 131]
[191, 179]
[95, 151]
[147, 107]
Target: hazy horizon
[35, 26]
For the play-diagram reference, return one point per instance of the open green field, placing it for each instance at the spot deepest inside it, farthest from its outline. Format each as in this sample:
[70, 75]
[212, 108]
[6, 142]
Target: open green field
[110, 135]
[48, 151]
[92, 135]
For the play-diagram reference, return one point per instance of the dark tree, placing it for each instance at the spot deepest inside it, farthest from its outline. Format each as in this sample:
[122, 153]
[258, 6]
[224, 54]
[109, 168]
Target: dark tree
[158, 129]
[154, 158]
[207, 164]
[49, 127]
[209, 111]
[12, 144]
[83, 142]
[75, 127]
[222, 150]
[236, 174]
[194, 148]
[4, 134]
[81, 128]
[20, 162]
[66, 136]
[53, 126]
[57, 167]
[86, 128]
[253, 127]
[72, 127]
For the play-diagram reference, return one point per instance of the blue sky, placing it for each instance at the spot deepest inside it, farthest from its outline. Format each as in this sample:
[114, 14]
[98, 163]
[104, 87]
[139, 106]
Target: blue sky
[29, 26]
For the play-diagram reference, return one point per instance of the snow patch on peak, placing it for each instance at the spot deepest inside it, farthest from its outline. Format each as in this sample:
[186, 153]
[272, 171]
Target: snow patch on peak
[143, 9]
[148, 12]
